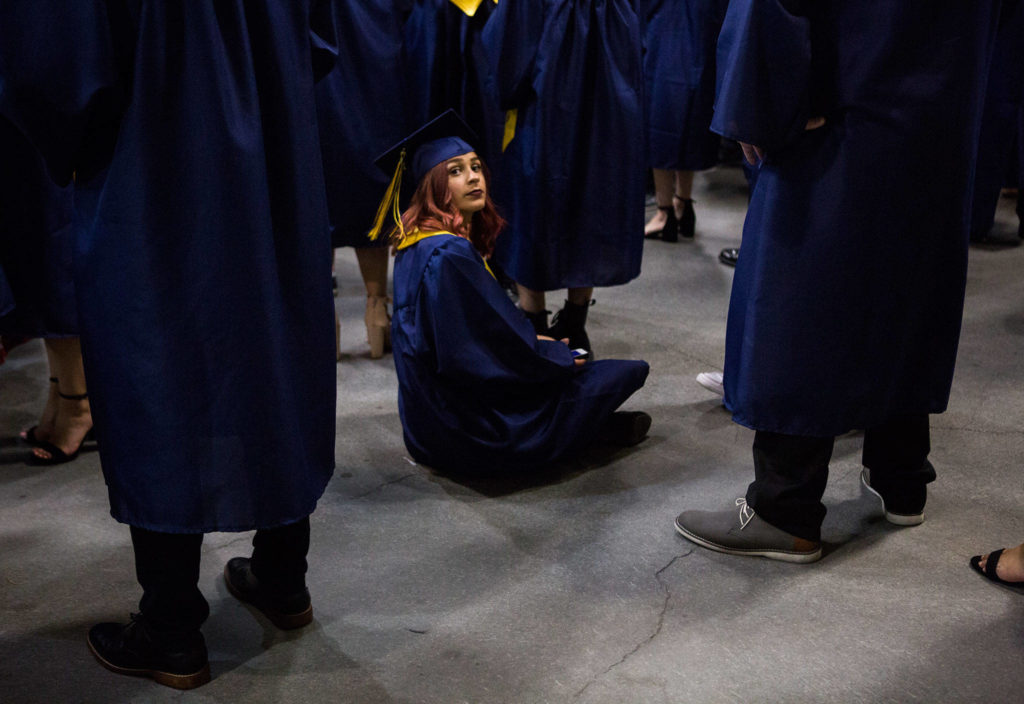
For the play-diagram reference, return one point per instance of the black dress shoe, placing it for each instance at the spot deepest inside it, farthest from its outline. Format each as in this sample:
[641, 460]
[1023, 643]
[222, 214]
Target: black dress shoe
[286, 611]
[729, 256]
[135, 649]
[628, 428]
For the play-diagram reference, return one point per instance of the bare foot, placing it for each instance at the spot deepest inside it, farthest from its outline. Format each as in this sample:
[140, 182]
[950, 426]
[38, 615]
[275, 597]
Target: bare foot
[1011, 564]
[74, 420]
[656, 223]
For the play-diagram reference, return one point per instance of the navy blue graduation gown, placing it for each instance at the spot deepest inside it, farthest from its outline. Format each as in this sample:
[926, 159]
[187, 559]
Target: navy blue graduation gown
[360, 107]
[573, 175]
[848, 295]
[445, 67]
[1000, 150]
[478, 392]
[202, 256]
[35, 243]
[679, 72]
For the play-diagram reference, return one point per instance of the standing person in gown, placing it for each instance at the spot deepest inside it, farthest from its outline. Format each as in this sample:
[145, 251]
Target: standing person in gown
[445, 68]
[679, 74]
[1001, 147]
[203, 285]
[865, 117]
[35, 248]
[358, 107]
[570, 73]
[480, 393]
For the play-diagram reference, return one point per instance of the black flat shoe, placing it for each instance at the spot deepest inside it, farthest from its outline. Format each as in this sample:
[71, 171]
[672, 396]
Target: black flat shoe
[989, 572]
[134, 649]
[287, 612]
[729, 256]
[671, 228]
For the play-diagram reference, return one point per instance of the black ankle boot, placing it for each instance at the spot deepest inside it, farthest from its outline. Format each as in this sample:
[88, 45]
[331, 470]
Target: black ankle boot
[688, 220]
[539, 321]
[176, 660]
[286, 611]
[668, 232]
[570, 322]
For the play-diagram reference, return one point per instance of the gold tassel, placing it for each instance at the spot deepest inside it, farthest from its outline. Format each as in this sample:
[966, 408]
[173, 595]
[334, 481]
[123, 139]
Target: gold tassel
[390, 202]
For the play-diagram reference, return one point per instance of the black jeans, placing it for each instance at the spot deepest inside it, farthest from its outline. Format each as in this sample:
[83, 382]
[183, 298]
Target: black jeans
[790, 471]
[167, 567]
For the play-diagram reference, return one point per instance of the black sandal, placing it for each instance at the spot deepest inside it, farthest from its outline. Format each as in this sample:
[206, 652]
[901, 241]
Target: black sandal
[989, 571]
[57, 455]
[688, 222]
[29, 435]
[670, 232]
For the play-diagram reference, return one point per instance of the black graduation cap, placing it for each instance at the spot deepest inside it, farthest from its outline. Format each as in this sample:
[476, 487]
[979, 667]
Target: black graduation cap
[444, 137]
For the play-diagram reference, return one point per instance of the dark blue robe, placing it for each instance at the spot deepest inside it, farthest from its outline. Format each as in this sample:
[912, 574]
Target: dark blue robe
[573, 185]
[445, 67]
[360, 107]
[35, 243]
[679, 72]
[848, 295]
[1001, 151]
[478, 392]
[202, 262]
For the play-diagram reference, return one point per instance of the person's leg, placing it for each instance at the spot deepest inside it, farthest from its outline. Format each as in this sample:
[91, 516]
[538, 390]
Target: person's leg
[532, 304]
[682, 201]
[373, 265]
[74, 419]
[167, 567]
[274, 579]
[571, 321]
[48, 420]
[896, 455]
[663, 217]
[790, 473]
[163, 642]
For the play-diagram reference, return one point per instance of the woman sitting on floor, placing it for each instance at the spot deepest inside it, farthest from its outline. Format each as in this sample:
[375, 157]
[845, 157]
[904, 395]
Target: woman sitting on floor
[479, 391]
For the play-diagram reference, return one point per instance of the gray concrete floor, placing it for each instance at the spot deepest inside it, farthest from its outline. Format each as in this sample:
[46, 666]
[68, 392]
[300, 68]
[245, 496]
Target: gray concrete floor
[578, 589]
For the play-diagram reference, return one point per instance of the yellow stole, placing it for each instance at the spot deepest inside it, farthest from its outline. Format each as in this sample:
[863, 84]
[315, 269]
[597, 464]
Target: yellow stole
[414, 237]
[469, 6]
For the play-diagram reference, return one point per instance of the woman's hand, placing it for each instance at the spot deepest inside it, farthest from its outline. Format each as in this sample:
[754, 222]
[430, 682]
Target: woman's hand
[564, 341]
[755, 154]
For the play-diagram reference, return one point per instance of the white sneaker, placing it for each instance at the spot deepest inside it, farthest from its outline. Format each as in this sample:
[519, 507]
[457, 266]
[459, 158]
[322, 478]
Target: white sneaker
[712, 381]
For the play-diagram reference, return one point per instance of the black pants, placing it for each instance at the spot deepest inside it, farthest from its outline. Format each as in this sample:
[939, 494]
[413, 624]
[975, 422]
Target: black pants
[790, 471]
[167, 567]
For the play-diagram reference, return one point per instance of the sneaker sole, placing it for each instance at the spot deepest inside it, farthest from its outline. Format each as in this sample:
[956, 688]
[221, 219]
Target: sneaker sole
[780, 555]
[286, 622]
[897, 519]
[168, 679]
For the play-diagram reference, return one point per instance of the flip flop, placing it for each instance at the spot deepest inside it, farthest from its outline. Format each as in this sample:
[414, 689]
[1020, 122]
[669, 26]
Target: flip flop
[989, 571]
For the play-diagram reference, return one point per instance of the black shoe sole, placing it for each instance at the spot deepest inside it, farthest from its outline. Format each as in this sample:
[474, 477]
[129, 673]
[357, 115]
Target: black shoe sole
[286, 622]
[168, 679]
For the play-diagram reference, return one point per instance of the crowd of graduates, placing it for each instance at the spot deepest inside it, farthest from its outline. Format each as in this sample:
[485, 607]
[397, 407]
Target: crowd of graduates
[176, 176]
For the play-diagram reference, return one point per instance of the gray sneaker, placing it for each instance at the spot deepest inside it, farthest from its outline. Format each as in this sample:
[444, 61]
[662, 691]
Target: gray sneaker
[908, 515]
[744, 533]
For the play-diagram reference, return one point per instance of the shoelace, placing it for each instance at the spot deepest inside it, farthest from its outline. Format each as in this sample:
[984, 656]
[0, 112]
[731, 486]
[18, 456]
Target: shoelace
[746, 513]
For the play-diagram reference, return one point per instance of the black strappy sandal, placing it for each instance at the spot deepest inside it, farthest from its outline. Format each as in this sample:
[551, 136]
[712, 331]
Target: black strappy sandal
[989, 571]
[669, 232]
[57, 455]
[29, 435]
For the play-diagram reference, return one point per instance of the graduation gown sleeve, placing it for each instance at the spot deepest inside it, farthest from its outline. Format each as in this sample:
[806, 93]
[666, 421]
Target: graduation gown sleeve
[59, 81]
[489, 344]
[764, 60]
[512, 40]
